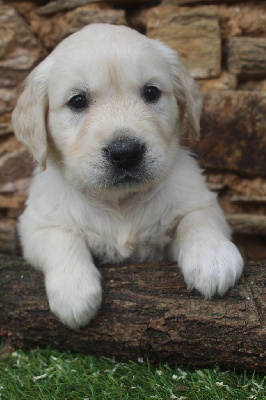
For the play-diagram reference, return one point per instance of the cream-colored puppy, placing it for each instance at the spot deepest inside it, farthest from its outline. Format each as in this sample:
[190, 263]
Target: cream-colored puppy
[103, 115]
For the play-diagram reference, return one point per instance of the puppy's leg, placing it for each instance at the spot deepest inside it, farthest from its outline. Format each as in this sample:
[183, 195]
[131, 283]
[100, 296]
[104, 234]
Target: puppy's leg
[208, 260]
[72, 281]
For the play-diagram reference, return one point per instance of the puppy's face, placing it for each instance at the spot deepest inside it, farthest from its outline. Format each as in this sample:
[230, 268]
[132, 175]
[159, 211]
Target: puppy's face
[112, 112]
[113, 104]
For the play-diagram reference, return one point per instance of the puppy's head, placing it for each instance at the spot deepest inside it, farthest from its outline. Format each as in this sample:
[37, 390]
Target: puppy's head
[108, 107]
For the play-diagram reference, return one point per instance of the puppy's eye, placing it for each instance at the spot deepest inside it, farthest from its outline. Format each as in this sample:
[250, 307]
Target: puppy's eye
[78, 102]
[151, 94]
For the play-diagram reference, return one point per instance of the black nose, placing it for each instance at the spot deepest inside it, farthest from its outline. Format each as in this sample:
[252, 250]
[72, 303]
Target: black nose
[125, 152]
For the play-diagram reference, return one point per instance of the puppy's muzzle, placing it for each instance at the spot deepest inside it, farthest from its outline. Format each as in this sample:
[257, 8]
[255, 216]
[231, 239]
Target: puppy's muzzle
[125, 153]
[125, 162]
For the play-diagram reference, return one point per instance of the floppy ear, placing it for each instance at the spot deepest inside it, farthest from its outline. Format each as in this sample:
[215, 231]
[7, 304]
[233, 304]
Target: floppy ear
[186, 91]
[29, 115]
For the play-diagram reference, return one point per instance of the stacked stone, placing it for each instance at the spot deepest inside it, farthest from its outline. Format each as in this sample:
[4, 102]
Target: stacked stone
[223, 44]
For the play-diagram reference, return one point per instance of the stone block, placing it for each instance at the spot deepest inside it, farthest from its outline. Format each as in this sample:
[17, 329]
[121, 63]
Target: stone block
[247, 224]
[13, 196]
[7, 102]
[54, 28]
[254, 247]
[225, 81]
[15, 165]
[12, 201]
[8, 144]
[246, 57]
[8, 237]
[19, 48]
[191, 2]
[233, 132]
[255, 85]
[20, 51]
[193, 32]
[5, 124]
[63, 5]
[242, 20]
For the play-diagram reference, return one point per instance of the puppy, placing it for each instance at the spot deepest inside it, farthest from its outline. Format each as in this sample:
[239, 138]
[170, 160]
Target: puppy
[103, 115]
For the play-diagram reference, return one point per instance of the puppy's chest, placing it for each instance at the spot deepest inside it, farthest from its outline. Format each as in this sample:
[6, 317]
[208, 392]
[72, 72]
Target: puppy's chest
[132, 238]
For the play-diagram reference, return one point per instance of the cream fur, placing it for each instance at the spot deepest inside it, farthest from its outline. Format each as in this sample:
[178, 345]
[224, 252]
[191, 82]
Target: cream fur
[73, 213]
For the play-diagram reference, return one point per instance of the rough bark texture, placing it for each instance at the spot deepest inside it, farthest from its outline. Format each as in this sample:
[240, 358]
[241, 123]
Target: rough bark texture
[147, 312]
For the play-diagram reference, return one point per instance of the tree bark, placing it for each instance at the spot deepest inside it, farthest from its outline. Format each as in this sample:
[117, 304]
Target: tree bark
[147, 312]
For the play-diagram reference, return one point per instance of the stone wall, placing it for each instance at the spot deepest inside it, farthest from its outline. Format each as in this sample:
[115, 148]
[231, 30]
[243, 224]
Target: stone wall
[223, 43]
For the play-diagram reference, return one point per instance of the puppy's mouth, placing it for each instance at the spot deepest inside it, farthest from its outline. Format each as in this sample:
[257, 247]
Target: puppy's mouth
[126, 178]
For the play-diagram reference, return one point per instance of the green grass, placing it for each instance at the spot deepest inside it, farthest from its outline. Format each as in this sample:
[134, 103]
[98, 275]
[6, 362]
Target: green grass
[51, 375]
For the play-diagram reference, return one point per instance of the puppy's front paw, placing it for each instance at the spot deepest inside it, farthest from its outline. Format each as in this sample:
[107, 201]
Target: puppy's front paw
[211, 266]
[74, 298]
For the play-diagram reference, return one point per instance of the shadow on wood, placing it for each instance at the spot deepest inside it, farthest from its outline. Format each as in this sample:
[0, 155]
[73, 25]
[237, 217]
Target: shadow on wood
[147, 312]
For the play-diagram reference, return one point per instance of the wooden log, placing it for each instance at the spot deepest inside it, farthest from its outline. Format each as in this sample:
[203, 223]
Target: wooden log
[147, 312]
